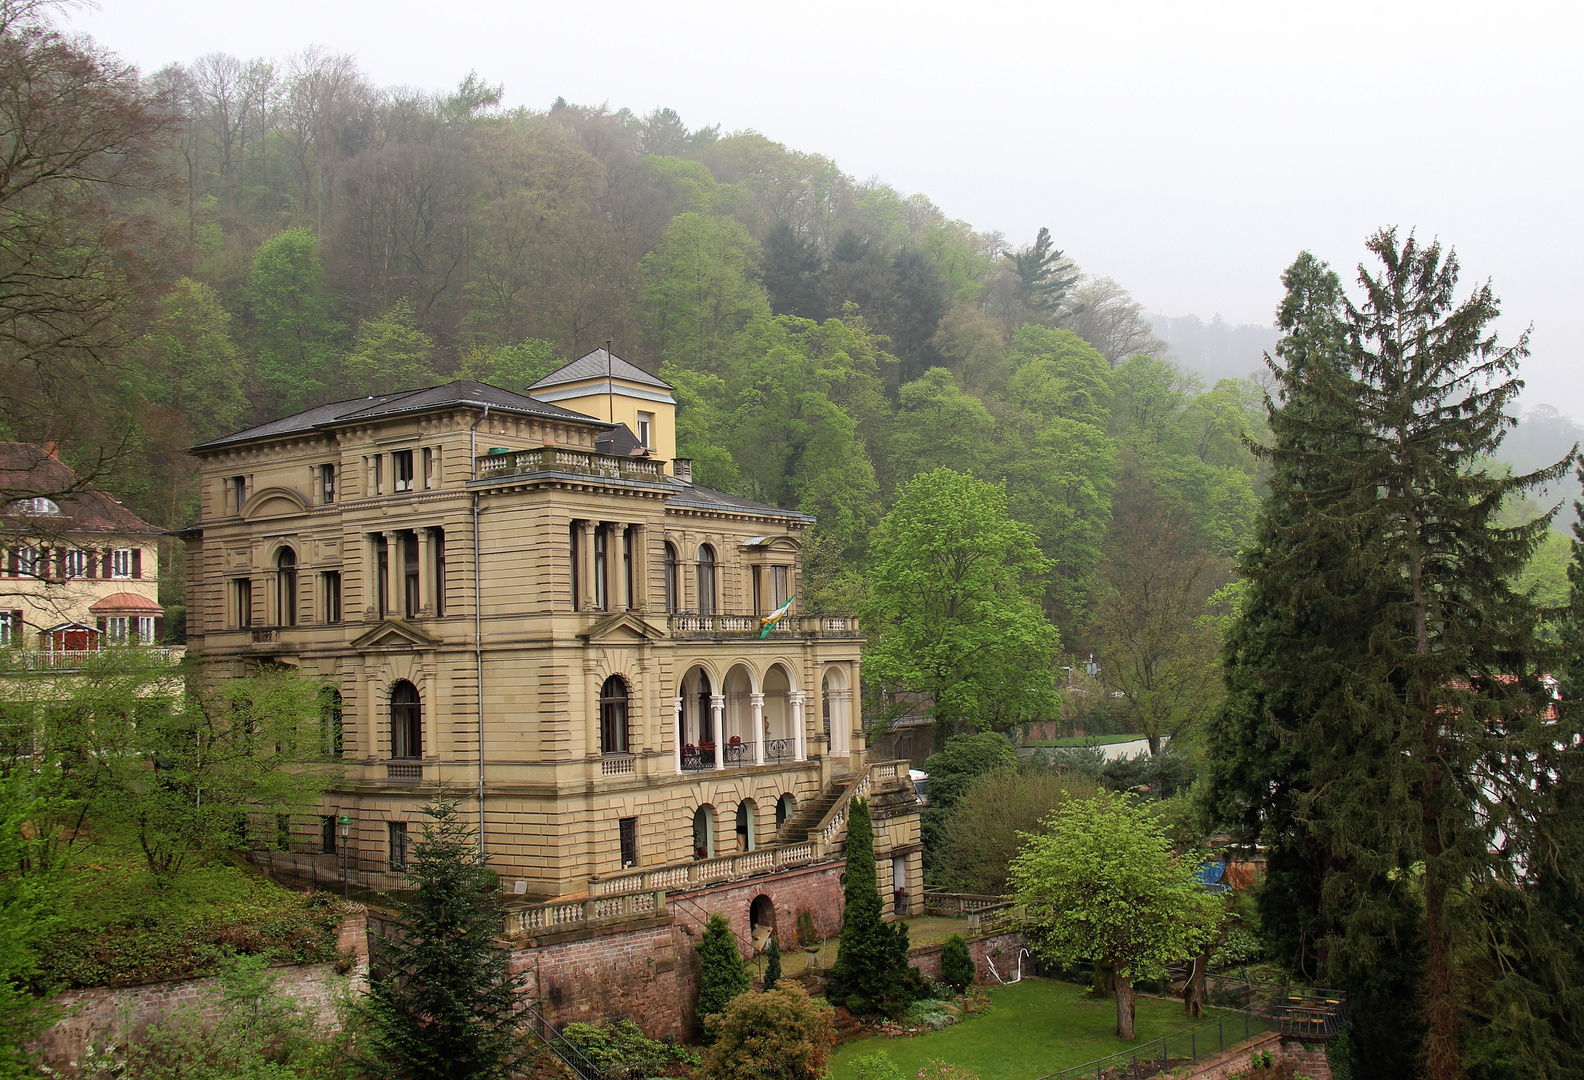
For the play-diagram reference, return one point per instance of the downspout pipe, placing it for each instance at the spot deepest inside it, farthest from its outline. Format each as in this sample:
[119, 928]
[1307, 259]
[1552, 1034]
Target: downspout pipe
[478, 629]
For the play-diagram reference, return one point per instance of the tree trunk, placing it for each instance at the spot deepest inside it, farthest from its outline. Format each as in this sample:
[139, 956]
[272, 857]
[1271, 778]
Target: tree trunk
[1194, 991]
[1100, 986]
[1124, 998]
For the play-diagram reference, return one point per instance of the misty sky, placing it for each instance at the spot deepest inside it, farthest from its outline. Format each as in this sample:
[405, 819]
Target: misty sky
[1189, 150]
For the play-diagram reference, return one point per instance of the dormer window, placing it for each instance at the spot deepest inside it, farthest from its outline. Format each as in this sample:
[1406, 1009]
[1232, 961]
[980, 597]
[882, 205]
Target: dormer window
[646, 430]
[37, 506]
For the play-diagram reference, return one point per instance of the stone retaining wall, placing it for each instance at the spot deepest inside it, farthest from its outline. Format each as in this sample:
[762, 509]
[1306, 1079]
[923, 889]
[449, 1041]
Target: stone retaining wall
[1300, 1056]
[102, 1013]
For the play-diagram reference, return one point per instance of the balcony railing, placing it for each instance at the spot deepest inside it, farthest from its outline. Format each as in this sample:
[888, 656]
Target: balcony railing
[618, 765]
[579, 462]
[737, 626]
[739, 754]
[76, 659]
[707, 871]
[562, 916]
[404, 772]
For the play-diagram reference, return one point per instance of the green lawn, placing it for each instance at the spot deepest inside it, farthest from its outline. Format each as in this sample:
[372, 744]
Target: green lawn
[1033, 1028]
[1086, 740]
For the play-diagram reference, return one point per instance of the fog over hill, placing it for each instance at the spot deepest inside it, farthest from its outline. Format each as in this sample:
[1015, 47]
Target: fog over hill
[1217, 349]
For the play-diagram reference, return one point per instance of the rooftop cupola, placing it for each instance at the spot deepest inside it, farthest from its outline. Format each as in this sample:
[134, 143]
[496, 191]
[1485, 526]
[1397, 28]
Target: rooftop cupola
[609, 388]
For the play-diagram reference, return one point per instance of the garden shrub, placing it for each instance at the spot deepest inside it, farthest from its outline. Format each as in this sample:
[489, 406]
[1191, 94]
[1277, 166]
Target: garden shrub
[929, 1012]
[772, 973]
[780, 1035]
[871, 974]
[876, 1066]
[623, 1052]
[722, 973]
[957, 966]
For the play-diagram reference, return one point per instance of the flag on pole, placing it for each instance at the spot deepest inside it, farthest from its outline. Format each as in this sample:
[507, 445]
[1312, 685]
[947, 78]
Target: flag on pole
[768, 623]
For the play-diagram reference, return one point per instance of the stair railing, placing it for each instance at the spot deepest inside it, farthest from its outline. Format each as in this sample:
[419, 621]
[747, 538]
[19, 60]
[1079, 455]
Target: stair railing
[561, 1046]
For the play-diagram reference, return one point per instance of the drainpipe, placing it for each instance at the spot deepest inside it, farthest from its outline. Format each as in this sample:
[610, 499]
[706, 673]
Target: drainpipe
[478, 628]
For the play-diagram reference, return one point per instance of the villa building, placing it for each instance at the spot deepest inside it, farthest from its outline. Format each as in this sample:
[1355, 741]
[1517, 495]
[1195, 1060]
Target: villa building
[77, 569]
[527, 601]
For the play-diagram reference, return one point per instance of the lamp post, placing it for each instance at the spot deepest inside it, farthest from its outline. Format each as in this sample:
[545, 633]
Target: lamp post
[344, 830]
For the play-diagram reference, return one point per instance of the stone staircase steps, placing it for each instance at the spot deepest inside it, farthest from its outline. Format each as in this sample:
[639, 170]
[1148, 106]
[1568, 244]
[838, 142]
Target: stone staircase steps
[795, 829]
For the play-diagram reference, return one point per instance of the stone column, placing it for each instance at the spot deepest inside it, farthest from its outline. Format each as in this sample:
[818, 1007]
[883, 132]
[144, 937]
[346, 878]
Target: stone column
[616, 564]
[586, 565]
[718, 720]
[799, 740]
[393, 573]
[370, 576]
[679, 735]
[756, 718]
[426, 582]
[640, 563]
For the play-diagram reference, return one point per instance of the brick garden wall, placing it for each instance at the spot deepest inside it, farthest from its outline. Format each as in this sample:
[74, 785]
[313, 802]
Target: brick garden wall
[1000, 949]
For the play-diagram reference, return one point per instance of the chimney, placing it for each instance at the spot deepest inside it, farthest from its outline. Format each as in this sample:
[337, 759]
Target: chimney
[49, 448]
[682, 469]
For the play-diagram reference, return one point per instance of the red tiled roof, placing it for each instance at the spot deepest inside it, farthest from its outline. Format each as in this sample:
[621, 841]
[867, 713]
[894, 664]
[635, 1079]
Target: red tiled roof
[122, 602]
[27, 468]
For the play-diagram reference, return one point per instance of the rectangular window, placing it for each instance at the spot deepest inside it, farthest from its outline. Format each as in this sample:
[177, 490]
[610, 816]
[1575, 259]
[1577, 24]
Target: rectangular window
[238, 489]
[145, 630]
[27, 562]
[428, 468]
[757, 573]
[398, 846]
[330, 585]
[327, 483]
[379, 474]
[76, 564]
[327, 834]
[402, 470]
[242, 601]
[121, 563]
[116, 629]
[601, 574]
[781, 584]
[382, 566]
[577, 569]
[10, 628]
[646, 430]
[629, 841]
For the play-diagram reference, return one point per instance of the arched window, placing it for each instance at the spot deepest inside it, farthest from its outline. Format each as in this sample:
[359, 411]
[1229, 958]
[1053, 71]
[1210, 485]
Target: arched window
[406, 710]
[285, 585]
[330, 709]
[673, 594]
[706, 580]
[286, 596]
[613, 716]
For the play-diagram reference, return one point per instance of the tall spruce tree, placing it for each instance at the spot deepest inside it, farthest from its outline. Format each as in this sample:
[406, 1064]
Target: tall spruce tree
[871, 974]
[1386, 706]
[722, 973]
[442, 1001]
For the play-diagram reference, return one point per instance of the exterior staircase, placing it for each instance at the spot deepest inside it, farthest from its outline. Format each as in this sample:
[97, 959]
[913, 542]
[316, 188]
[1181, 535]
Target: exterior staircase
[795, 829]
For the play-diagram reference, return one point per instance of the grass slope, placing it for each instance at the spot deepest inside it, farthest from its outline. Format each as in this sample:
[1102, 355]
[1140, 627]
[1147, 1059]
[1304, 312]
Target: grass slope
[1033, 1028]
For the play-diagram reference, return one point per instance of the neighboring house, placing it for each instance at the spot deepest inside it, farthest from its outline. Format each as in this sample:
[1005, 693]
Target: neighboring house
[464, 561]
[78, 570]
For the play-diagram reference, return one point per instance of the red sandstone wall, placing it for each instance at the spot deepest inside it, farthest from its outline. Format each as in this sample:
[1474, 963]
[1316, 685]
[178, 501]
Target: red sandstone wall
[1002, 950]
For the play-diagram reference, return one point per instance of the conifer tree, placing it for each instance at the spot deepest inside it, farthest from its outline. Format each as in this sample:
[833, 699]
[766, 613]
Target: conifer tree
[442, 1001]
[1385, 676]
[722, 973]
[871, 974]
[772, 973]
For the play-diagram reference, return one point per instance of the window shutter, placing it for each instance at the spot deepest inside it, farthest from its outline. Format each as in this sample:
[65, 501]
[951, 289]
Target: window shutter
[101, 623]
[13, 566]
[159, 630]
[137, 562]
[16, 626]
[90, 563]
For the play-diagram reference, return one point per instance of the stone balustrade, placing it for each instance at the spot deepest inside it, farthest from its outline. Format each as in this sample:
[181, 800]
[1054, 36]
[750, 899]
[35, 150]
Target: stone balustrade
[578, 462]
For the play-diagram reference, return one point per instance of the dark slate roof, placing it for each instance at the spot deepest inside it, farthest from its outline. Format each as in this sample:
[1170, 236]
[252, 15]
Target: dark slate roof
[358, 410]
[593, 366]
[699, 497]
[28, 468]
[619, 442]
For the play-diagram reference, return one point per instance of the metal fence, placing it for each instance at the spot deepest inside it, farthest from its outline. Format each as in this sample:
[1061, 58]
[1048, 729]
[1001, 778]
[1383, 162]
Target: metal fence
[1167, 1054]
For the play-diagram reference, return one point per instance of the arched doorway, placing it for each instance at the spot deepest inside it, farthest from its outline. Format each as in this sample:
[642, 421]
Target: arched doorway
[780, 742]
[698, 721]
[761, 921]
[786, 806]
[737, 726]
[747, 824]
[704, 832]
